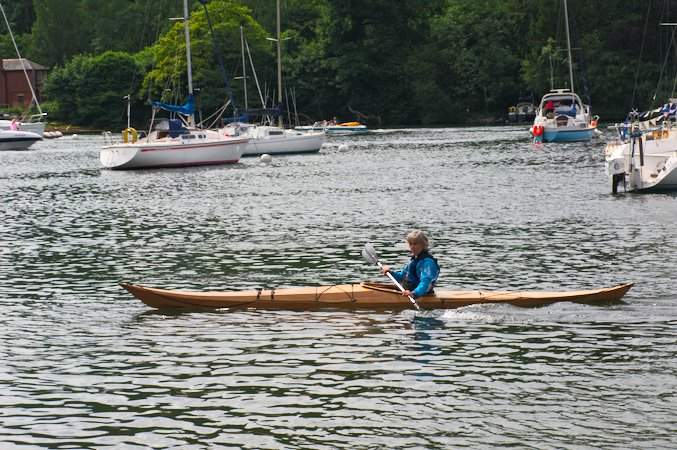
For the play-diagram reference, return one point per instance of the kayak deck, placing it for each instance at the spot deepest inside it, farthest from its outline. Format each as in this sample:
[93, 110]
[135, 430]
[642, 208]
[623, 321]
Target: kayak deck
[369, 296]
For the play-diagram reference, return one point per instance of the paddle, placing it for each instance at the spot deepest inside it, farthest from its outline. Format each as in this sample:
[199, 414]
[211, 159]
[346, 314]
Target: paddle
[369, 254]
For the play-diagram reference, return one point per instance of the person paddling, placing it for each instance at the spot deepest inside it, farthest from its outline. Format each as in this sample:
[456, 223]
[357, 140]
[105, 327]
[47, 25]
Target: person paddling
[419, 275]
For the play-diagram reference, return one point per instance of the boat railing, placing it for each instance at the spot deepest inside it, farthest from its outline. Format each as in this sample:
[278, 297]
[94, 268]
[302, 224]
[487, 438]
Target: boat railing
[650, 131]
[108, 138]
[35, 118]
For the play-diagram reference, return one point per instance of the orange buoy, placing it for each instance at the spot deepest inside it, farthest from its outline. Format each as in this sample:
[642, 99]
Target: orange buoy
[537, 130]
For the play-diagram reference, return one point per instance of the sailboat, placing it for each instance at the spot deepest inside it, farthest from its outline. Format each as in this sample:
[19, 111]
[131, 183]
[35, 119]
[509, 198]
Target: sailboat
[173, 142]
[36, 123]
[562, 116]
[268, 139]
[643, 156]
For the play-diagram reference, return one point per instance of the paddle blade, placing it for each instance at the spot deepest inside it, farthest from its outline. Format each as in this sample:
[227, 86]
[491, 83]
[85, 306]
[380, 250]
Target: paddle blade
[369, 254]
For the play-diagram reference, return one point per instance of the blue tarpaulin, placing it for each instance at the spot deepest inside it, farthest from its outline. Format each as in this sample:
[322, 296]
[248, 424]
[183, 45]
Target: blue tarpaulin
[187, 108]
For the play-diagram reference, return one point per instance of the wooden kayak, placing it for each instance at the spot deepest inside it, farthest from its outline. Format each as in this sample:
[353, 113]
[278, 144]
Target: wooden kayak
[368, 296]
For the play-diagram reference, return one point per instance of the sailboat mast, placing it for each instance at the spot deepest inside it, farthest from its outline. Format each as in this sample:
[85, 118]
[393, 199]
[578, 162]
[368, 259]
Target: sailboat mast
[571, 65]
[186, 30]
[244, 67]
[279, 63]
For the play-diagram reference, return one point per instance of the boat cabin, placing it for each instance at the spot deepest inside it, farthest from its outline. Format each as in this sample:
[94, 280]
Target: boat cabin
[561, 102]
[170, 127]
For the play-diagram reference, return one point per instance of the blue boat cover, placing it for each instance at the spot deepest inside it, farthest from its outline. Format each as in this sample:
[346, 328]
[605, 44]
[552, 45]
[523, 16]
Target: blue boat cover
[176, 128]
[187, 108]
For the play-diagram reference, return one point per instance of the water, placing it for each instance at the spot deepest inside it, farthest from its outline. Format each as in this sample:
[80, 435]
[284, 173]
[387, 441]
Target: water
[85, 365]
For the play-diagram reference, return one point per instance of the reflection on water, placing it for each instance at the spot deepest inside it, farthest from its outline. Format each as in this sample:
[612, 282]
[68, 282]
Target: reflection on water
[87, 366]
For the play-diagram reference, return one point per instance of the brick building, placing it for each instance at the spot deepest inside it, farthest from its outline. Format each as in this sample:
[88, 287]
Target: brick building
[14, 89]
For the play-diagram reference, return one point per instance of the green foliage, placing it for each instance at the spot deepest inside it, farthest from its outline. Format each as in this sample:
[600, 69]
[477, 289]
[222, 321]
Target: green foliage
[65, 28]
[58, 31]
[385, 62]
[89, 89]
[20, 15]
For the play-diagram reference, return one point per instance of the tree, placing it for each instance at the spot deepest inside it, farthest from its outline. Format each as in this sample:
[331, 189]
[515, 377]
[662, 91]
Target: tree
[58, 33]
[89, 89]
[20, 15]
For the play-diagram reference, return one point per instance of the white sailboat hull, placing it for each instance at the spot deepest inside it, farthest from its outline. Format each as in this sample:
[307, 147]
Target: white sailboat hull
[274, 140]
[172, 153]
[285, 145]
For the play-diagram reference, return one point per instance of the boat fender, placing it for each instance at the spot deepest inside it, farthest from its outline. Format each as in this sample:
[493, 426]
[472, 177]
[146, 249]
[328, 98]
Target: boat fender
[128, 133]
[593, 122]
[537, 130]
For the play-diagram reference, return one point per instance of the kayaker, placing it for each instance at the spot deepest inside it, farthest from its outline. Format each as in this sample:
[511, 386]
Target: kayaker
[419, 275]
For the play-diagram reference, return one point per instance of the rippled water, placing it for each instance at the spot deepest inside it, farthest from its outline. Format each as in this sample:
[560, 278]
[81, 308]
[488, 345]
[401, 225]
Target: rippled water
[87, 366]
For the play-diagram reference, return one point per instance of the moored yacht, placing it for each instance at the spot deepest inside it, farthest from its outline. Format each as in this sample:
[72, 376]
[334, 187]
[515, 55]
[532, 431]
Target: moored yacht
[563, 117]
[274, 140]
[643, 158]
[172, 144]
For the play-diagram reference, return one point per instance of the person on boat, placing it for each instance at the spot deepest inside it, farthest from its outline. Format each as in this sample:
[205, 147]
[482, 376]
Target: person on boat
[549, 108]
[14, 125]
[419, 275]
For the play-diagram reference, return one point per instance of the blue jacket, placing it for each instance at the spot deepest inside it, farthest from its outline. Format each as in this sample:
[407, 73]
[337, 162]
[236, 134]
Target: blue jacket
[419, 275]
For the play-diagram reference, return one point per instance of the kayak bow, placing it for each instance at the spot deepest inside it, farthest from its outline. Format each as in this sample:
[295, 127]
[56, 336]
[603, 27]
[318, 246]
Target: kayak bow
[369, 296]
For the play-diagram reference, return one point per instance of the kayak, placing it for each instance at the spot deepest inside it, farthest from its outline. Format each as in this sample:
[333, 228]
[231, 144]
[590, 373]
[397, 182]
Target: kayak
[369, 296]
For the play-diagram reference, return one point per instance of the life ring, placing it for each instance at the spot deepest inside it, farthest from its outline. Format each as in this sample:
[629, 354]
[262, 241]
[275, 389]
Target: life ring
[126, 134]
[537, 130]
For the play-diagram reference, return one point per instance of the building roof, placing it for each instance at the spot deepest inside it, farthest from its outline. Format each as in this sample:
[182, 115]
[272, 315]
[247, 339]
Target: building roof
[15, 64]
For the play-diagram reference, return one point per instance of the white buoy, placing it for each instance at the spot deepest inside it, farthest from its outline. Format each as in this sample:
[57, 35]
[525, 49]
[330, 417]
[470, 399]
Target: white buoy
[74, 136]
[343, 147]
[266, 158]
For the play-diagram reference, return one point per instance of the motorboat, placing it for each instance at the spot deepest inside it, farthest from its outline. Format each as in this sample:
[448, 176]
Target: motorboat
[336, 129]
[524, 111]
[17, 139]
[563, 117]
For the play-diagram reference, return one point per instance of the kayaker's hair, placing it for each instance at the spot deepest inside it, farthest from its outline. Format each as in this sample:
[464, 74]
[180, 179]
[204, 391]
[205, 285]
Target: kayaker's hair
[418, 237]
